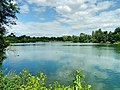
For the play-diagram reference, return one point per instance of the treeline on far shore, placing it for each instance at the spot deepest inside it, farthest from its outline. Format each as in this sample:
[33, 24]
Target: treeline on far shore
[97, 36]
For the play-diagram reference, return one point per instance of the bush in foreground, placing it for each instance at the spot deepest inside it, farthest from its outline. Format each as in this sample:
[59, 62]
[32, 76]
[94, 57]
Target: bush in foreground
[26, 81]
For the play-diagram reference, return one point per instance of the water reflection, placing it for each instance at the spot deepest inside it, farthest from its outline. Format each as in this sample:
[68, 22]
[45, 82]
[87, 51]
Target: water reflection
[2, 57]
[100, 63]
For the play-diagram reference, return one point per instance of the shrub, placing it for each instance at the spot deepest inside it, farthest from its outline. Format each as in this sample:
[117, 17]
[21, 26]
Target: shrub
[26, 81]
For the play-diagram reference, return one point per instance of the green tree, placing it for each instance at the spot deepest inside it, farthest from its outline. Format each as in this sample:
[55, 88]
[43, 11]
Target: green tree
[99, 36]
[8, 10]
[117, 30]
[64, 38]
[117, 34]
[111, 37]
[84, 38]
[11, 38]
[75, 38]
[67, 38]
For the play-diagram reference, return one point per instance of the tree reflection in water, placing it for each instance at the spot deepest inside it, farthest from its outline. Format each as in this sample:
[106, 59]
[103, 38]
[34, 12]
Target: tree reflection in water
[2, 57]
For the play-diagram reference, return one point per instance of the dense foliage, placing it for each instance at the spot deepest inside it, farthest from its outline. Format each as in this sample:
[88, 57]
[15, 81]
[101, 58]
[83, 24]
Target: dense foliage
[8, 10]
[97, 36]
[26, 81]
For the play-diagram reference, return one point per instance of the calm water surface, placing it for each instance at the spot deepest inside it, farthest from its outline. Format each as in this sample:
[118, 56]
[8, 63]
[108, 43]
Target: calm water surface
[100, 63]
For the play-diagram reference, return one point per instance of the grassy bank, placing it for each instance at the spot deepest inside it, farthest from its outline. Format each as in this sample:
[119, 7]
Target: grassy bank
[117, 43]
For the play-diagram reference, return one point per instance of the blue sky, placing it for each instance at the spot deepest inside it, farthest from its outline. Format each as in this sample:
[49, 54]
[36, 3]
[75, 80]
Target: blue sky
[66, 17]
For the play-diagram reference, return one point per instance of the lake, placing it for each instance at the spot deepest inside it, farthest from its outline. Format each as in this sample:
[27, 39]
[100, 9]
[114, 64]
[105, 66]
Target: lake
[58, 60]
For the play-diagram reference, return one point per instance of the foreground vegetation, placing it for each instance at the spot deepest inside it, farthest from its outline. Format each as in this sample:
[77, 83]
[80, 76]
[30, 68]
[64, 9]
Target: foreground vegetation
[8, 10]
[26, 81]
[97, 36]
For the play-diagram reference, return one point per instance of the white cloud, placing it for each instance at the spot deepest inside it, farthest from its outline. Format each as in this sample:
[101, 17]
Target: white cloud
[104, 5]
[24, 9]
[40, 29]
[63, 9]
[80, 15]
[38, 2]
